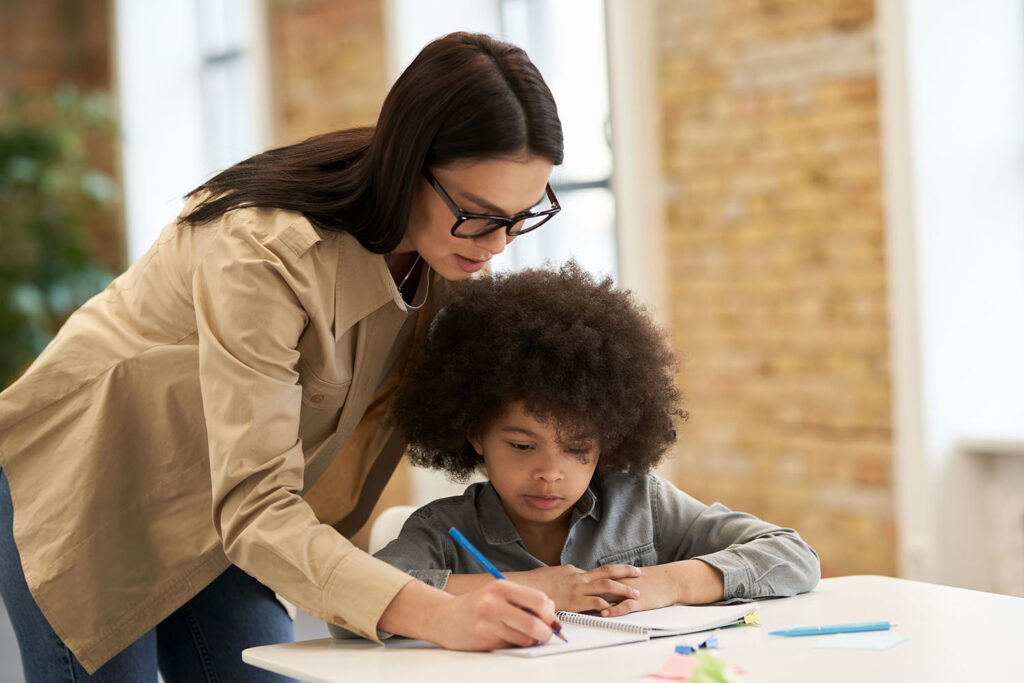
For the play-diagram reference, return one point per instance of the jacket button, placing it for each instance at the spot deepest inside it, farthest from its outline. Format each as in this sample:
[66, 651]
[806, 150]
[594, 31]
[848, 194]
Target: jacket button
[317, 398]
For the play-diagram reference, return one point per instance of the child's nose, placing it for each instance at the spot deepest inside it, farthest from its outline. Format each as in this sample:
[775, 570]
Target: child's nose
[549, 471]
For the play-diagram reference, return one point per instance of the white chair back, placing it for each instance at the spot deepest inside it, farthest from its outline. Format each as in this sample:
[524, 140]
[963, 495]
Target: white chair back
[387, 525]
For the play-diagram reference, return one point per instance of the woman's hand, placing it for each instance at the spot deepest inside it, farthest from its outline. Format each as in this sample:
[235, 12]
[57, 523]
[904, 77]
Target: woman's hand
[576, 590]
[688, 581]
[499, 614]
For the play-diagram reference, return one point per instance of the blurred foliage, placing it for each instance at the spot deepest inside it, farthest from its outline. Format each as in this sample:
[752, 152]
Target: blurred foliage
[49, 194]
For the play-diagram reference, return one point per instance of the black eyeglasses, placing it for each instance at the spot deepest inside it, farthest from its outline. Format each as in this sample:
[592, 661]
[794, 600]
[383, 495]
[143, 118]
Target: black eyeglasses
[473, 225]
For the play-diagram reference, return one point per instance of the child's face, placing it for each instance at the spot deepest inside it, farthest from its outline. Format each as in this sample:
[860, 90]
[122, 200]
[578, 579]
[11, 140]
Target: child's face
[538, 476]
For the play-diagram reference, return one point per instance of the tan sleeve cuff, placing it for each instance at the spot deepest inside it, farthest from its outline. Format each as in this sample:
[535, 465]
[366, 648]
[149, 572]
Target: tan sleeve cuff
[359, 590]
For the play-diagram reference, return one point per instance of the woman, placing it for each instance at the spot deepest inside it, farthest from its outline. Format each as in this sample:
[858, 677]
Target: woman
[158, 457]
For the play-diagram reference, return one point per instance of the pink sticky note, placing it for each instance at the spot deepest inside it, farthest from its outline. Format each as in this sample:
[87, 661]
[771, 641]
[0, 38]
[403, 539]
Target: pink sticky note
[677, 668]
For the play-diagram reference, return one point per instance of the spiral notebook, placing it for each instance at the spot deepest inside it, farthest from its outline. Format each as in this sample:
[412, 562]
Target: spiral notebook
[585, 632]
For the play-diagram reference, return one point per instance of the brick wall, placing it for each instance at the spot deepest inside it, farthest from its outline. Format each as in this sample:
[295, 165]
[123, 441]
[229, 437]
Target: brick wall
[45, 44]
[775, 254]
[328, 65]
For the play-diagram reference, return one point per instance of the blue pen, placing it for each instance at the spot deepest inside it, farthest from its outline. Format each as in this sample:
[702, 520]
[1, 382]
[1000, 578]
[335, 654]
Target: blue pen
[464, 542]
[834, 628]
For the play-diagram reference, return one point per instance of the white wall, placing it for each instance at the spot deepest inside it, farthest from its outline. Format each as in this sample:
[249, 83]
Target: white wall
[174, 137]
[953, 114]
[636, 140]
[161, 117]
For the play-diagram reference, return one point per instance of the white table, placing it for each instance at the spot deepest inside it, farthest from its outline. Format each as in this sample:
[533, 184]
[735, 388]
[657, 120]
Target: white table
[954, 635]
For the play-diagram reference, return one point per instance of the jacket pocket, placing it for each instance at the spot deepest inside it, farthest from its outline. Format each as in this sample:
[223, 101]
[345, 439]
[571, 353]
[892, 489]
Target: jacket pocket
[643, 555]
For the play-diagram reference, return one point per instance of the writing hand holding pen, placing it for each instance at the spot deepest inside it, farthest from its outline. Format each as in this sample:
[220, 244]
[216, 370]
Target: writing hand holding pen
[499, 614]
[556, 627]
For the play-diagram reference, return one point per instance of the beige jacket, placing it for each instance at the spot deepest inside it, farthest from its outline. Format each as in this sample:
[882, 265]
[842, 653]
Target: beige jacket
[175, 423]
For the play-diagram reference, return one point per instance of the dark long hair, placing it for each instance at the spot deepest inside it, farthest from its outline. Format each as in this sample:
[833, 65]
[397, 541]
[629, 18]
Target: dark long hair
[465, 96]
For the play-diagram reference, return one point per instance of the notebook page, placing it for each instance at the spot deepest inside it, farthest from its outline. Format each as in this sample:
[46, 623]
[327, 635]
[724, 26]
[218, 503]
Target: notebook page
[580, 637]
[678, 619]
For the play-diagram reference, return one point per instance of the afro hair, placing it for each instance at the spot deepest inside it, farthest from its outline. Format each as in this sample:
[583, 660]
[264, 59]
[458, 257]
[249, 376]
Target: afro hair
[579, 353]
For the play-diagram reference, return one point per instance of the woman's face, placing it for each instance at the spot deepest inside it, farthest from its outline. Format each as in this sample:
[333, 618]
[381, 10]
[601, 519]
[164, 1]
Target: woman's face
[502, 187]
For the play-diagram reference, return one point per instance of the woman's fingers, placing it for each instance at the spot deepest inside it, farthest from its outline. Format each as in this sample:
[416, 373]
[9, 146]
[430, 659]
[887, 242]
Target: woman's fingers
[528, 612]
[500, 614]
[527, 598]
[525, 629]
[512, 637]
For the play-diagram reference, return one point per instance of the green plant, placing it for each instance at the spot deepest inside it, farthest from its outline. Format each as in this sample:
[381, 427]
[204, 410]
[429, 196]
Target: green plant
[49, 194]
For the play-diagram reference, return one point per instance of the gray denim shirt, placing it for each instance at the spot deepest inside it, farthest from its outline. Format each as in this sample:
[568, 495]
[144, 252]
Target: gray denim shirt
[620, 519]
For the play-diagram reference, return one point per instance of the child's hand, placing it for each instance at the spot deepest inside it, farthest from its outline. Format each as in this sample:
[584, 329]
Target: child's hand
[576, 590]
[689, 581]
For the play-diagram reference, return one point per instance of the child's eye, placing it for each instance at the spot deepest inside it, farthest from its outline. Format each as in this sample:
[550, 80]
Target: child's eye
[582, 454]
[520, 446]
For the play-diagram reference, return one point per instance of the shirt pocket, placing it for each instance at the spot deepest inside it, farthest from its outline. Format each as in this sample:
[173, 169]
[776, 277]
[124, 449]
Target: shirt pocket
[322, 402]
[643, 555]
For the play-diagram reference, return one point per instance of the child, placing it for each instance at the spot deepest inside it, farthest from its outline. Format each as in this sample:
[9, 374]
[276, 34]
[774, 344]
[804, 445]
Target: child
[561, 390]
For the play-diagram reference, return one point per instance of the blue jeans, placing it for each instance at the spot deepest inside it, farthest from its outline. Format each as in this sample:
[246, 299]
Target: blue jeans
[202, 641]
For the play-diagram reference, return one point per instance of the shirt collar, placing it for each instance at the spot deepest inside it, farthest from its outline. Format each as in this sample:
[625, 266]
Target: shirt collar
[497, 528]
[364, 284]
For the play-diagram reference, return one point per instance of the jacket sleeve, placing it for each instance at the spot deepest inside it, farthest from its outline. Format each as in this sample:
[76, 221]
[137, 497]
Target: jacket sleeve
[249, 318]
[757, 559]
[422, 550]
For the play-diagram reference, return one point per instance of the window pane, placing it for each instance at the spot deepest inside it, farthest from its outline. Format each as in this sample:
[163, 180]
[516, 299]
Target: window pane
[566, 40]
[228, 90]
[584, 229]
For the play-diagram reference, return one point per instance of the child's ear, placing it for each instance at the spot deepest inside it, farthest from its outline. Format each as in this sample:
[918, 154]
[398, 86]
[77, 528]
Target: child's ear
[477, 445]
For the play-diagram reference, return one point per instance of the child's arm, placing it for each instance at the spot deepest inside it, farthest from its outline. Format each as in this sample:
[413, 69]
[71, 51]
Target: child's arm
[427, 552]
[710, 553]
[572, 588]
[424, 550]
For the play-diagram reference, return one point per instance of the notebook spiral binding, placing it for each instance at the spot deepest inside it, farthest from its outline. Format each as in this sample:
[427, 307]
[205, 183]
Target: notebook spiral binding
[600, 622]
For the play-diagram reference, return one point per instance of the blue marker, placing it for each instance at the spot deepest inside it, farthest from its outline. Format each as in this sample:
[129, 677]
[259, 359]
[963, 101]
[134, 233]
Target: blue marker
[464, 542]
[834, 628]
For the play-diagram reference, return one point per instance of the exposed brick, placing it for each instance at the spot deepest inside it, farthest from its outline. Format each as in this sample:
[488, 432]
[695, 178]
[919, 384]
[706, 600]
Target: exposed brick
[329, 65]
[775, 252]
